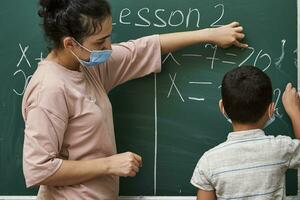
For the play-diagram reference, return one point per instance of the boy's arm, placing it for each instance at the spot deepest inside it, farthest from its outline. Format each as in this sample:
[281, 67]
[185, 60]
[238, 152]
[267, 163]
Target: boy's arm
[206, 195]
[291, 102]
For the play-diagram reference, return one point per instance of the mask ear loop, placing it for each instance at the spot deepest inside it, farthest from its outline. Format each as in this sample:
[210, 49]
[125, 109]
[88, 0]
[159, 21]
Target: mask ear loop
[226, 116]
[272, 118]
[108, 50]
[270, 121]
[75, 55]
[83, 46]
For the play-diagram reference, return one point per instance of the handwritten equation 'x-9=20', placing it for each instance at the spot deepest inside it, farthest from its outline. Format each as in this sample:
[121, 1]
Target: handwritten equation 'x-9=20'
[261, 58]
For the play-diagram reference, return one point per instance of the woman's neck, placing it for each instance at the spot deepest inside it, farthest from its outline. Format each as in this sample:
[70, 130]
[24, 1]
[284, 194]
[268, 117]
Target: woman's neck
[64, 59]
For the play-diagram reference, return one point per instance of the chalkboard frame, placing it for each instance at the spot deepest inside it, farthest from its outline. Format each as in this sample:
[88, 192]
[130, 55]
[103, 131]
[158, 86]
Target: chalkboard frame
[186, 197]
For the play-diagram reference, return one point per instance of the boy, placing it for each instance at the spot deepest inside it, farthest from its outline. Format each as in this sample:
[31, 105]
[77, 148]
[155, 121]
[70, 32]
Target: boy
[249, 165]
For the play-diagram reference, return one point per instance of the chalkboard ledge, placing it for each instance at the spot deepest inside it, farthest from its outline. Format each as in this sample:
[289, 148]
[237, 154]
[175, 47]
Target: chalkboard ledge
[129, 198]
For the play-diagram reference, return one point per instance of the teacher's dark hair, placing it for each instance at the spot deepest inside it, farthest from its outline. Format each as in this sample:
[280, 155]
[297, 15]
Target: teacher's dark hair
[75, 18]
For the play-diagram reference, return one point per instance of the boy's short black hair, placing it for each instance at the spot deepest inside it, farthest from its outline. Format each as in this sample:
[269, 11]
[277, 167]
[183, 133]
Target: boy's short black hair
[246, 94]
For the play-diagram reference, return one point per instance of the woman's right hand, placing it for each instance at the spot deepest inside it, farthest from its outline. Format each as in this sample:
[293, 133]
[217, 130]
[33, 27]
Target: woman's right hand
[228, 35]
[124, 164]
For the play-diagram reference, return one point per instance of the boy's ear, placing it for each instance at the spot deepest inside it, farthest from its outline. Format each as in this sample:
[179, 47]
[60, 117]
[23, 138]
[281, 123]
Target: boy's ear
[221, 106]
[271, 109]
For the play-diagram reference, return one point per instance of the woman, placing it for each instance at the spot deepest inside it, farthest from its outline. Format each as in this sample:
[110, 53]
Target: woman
[69, 144]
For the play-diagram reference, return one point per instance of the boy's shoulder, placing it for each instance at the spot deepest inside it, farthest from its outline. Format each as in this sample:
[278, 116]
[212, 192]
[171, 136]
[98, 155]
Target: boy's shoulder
[278, 140]
[234, 152]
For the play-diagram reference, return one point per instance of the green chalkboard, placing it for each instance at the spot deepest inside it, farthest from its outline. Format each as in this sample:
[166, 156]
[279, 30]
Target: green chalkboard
[171, 118]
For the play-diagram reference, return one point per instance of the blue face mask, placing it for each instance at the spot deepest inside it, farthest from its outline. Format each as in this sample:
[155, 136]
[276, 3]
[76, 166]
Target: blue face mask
[270, 120]
[96, 57]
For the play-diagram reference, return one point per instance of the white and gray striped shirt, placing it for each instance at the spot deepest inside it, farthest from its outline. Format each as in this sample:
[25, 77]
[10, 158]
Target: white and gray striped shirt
[248, 166]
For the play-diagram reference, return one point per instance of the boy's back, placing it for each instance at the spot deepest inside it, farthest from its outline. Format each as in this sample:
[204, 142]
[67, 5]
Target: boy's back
[249, 165]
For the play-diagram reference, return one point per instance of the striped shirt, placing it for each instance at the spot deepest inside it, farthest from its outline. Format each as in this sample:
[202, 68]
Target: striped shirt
[248, 166]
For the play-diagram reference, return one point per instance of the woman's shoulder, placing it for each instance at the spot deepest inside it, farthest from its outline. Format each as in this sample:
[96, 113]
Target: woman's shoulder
[47, 90]
[47, 83]
[45, 77]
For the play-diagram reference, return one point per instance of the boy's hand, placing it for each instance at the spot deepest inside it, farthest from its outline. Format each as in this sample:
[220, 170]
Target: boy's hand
[228, 35]
[291, 101]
